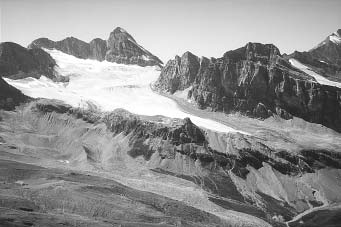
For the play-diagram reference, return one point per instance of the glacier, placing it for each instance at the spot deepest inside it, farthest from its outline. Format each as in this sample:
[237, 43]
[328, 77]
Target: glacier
[107, 86]
[320, 79]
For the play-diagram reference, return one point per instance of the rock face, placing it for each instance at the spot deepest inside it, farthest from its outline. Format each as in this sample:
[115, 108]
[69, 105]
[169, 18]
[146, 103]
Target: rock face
[70, 45]
[10, 96]
[98, 49]
[18, 62]
[120, 47]
[256, 80]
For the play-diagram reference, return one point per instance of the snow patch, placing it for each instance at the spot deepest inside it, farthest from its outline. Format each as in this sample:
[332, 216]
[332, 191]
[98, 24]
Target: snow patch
[146, 58]
[335, 38]
[320, 79]
[108, 86]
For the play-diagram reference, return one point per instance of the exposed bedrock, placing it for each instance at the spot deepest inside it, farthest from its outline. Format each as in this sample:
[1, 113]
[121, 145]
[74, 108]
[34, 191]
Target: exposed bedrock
[17, 62]
[10, 97]
[255, 80]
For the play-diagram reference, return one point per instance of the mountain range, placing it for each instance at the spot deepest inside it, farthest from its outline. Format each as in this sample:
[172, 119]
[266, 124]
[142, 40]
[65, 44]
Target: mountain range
[90, 136]
[120, 47]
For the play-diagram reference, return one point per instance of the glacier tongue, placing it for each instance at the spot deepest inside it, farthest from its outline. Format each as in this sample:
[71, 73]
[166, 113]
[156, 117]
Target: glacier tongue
[108, 86]
[320, 79]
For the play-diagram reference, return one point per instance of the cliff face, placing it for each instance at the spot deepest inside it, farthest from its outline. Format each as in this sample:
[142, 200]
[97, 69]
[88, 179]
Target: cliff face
[256, 80]
[120, 47]
[18, 62]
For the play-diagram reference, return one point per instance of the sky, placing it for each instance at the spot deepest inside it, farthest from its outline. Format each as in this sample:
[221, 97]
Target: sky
[170, 27]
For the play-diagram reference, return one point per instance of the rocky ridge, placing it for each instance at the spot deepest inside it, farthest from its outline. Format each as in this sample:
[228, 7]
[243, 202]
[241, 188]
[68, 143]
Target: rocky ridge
[17, 62]
[120, 47]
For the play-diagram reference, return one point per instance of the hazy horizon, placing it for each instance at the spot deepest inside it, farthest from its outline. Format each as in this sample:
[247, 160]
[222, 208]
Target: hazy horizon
[169, 28]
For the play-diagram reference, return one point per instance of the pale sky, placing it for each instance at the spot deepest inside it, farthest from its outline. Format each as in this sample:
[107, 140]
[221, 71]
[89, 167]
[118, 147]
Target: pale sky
[169, 27]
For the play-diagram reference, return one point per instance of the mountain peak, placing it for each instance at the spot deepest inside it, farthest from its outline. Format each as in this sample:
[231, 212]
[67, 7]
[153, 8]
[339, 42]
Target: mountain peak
[189, 54]
[121, 35]
[120, 30]
[336, 37]
[120, 47]
[338, 32]
[326, 56]
[254, 52]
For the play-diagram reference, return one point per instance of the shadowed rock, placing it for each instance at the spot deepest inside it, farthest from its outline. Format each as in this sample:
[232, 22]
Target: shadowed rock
[17, 62]
[10, 96]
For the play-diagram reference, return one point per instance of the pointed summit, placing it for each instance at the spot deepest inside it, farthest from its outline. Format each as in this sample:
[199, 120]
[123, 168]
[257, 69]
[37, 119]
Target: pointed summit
[120, 47]
[329, 50]
[336, 37]
[120, 33]
[123, 48]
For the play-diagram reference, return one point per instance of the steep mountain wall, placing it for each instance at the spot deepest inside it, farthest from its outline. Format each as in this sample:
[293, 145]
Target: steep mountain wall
[10, 96]
[256, 80]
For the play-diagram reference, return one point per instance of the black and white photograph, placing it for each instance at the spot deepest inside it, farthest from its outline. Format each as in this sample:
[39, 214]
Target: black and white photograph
[170, 113]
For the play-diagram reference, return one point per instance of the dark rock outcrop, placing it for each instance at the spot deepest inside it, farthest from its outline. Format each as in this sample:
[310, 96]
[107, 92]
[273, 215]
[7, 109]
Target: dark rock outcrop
[70, 45]
[179, 73]
[120, 47]
[98, 49]
[256, 80]
[18, 62]
[10, 96]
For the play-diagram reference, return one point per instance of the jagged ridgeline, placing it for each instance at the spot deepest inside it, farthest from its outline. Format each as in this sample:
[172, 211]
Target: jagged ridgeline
[89, 167]
[120, 47]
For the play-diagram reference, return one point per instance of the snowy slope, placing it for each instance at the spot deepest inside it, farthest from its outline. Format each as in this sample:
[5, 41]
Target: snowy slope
[335, 38]
[108, 86]
[320, 79]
